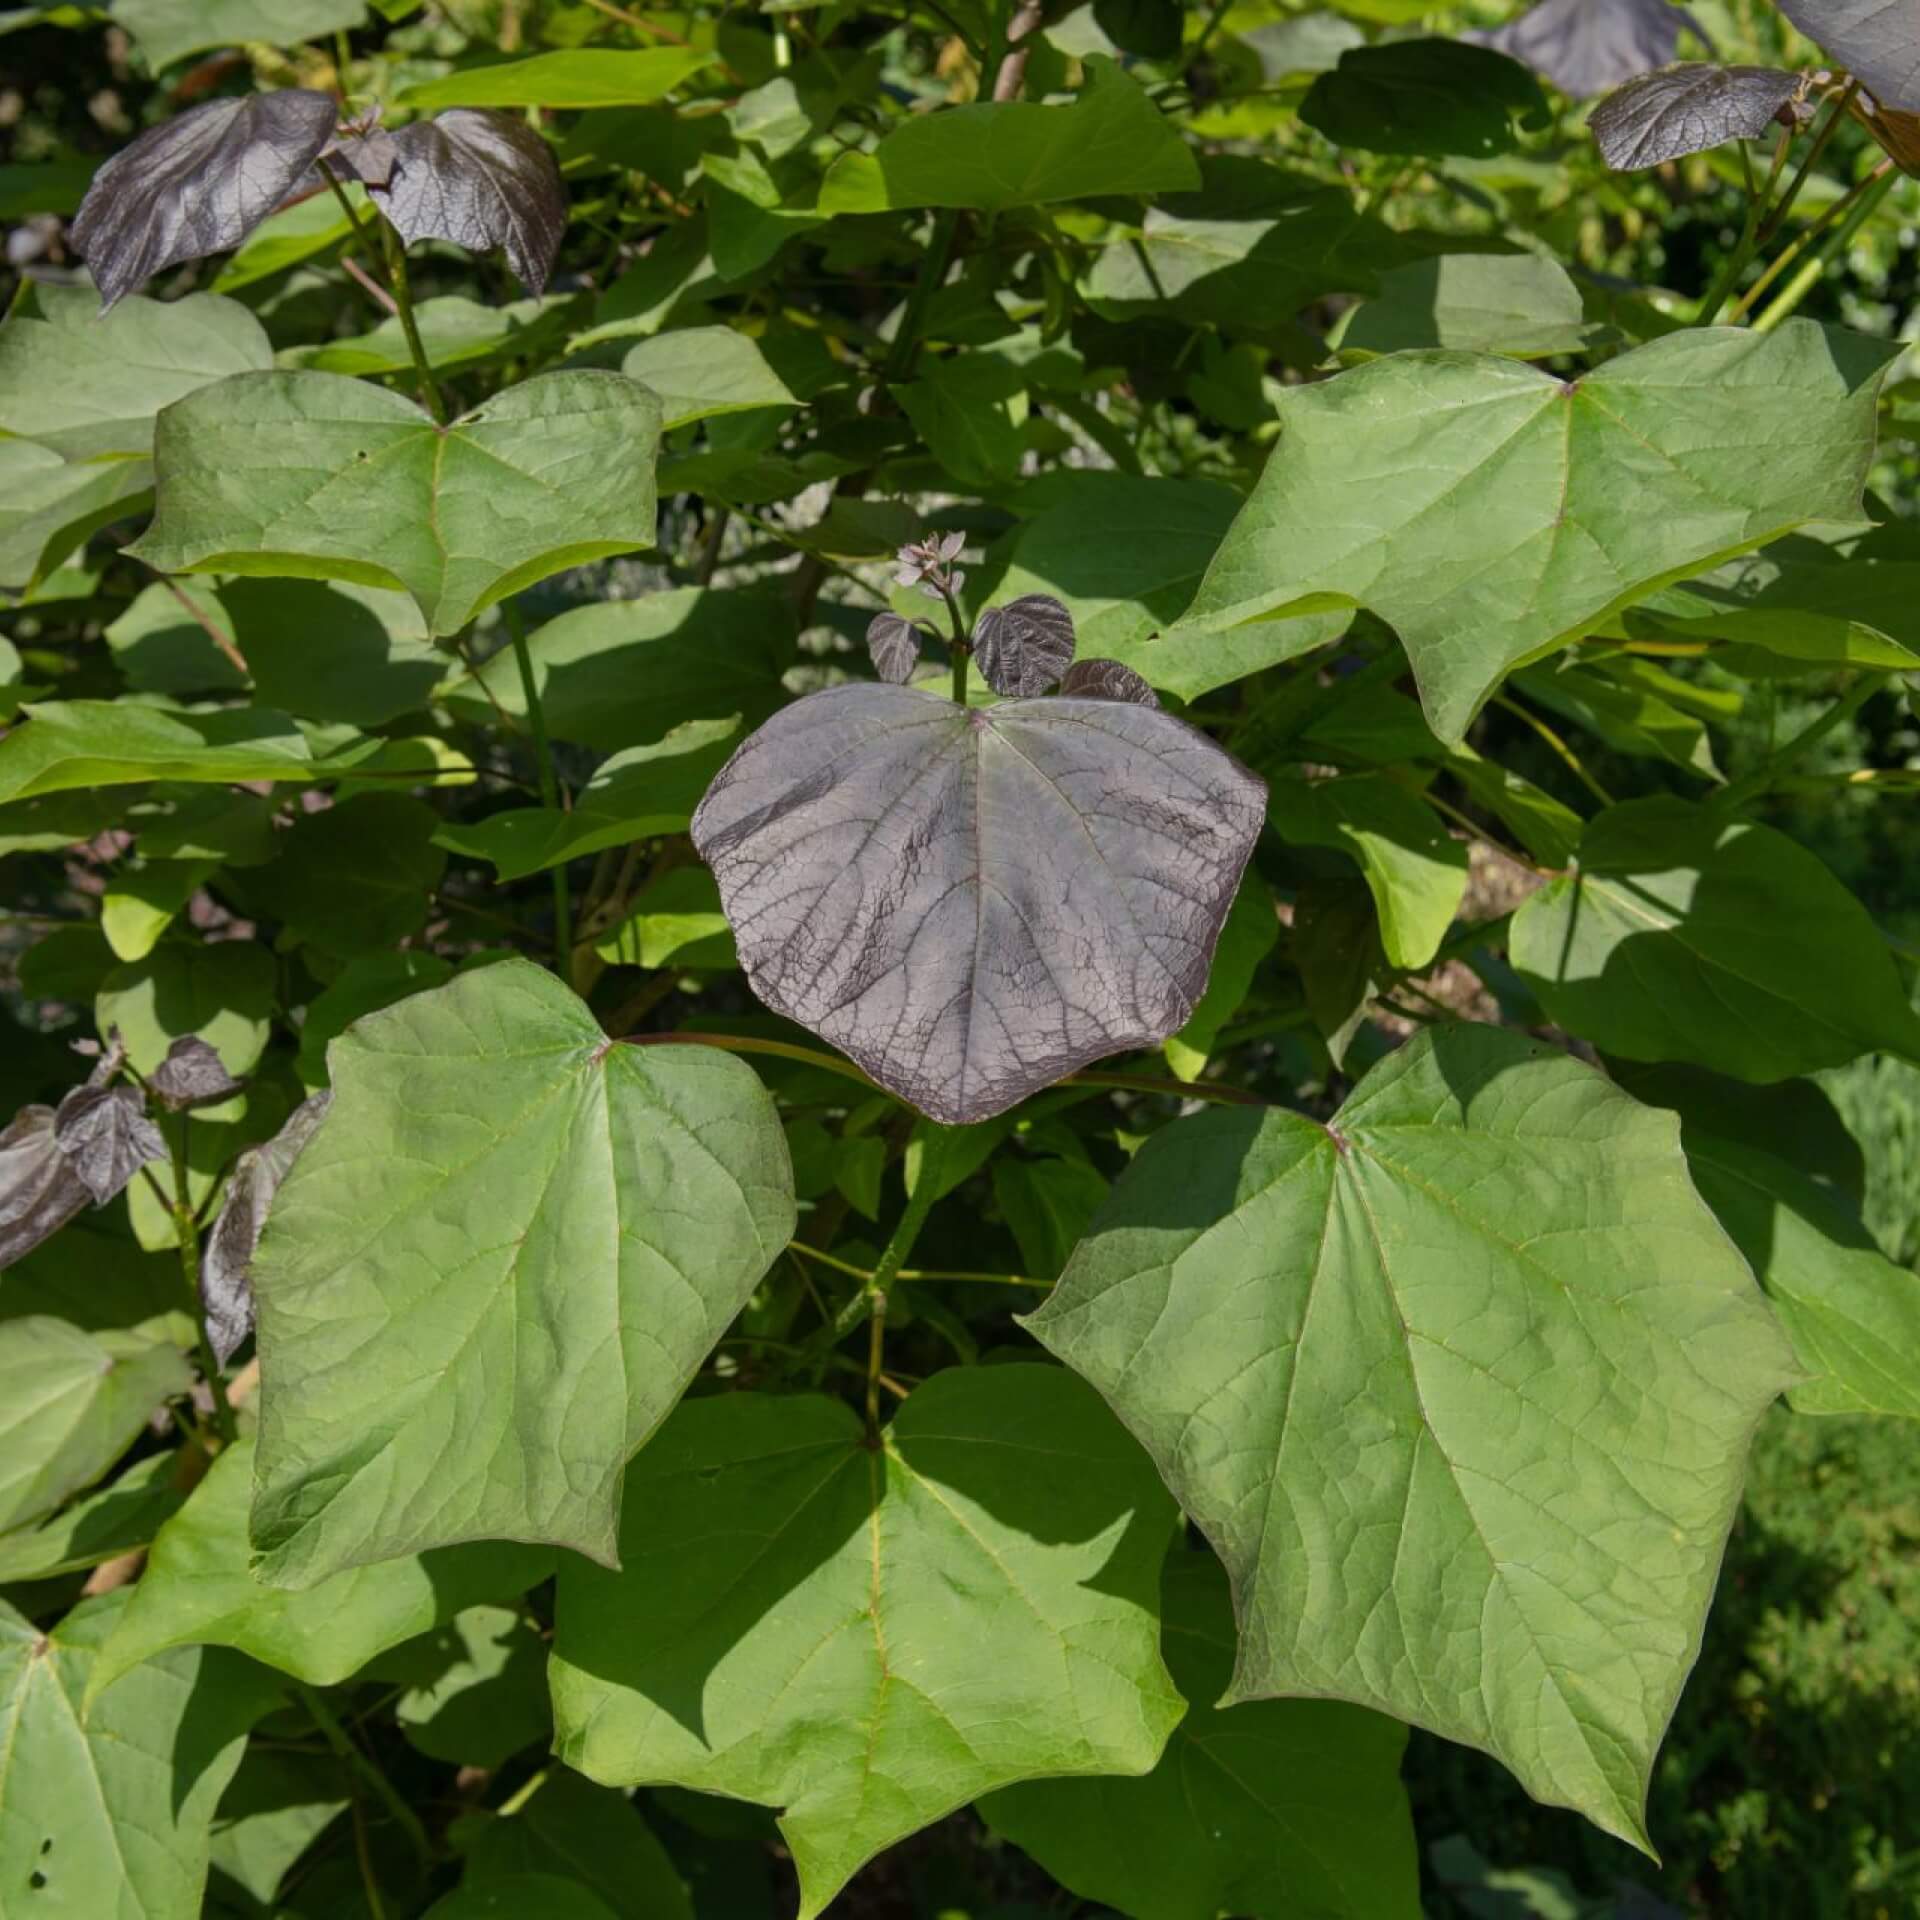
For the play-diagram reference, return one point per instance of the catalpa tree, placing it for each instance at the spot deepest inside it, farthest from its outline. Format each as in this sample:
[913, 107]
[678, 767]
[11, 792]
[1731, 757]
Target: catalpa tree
[891, 929]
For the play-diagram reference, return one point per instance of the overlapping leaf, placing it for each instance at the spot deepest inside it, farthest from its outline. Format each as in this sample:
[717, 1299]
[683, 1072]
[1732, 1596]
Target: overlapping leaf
[1878, 41]
[1473, 1451]
[798, 1622]
[493, 1164]
[974, 903]
[1489, 511]
[1586, 46]
[168, 30]
[322, 477]
[1687, 109]
[1425, 97]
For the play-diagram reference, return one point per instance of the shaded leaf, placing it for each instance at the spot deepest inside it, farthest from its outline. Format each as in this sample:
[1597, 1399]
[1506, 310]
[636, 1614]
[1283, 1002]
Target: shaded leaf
[106, 1137]
[277, 1806]
[71, 1403]
[836, 1670]
[1586, 46]
[483, 1897]
[225, 993]
[1877, 41]
[481, 180]
[1488, 511]
[893, 644]
[191, 1075]
[700, 372]
[1107, 680]
[49, 506]
[454, 332]
[322, 477]
[1473, 1452]
[1687, 109]
[1250, 934]
[1425, 97]
[971, 904]
[197, 184]
[226, 1263]
[516, 1167]
[198, 1590]
[88, 384]
[1516, 303]
[1024, 647]
[39, 1189]
[1272, 1809]
[968, 408]
[1047, 1204]
[486, 1695]
[167, 30]
[365, 984]
[586, 77]
[676, 917]
[353, 878]
[1685, 933]
[999, 154]
[116, 1519]
[109, 1813]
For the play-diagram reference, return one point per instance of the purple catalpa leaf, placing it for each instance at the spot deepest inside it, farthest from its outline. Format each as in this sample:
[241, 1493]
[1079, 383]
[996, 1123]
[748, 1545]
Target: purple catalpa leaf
[1877, 41]
[894, 644]
[481, 180]
[191, 1075]
[226, 1268]
[1586, 46]
[1107, 680]
[1024, 647]
[107, 1138]
[39, 1190]
[1687, 109]
[198, 184]
[972, 903]
[368, 154]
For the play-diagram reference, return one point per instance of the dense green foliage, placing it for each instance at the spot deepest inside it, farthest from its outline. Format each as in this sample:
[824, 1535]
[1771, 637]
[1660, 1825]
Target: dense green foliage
[955, 957]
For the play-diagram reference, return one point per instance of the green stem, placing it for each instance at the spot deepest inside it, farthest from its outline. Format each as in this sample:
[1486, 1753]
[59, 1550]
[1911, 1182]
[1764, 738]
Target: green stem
[187, 1231]
[403, 299]
[1784, 206]
[549, 784]
[892, 1259]
[933, 273]
[1739, 792]
[962, 649]
[1742, 255]
[1871, 191]
[1567, 755]
[383, 1789]
[909, 1274]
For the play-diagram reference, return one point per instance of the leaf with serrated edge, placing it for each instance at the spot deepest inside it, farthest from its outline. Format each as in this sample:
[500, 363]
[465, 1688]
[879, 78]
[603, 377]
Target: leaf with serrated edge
[1274, 1809]
[973, 903]
[323, 477]
[1687, 109]
[198, 1590]
[799, 1619]
[113, 1810]
[1586, 46]
[1489, 512]
[1473, 1451]
[1684, 933]
[494, 1164]
[481, 180]
[197, 184]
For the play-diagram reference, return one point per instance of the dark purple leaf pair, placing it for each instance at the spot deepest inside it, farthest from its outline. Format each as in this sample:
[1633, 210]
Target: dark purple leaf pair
[202, 182]
[972, 903]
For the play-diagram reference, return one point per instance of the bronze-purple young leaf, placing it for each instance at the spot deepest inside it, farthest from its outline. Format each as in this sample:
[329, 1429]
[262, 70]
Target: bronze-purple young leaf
[198, 184]
[1107, 680]
[1877, 41]
[1024, 647]
[1586, 46]
[1687, 109]
[482, 180]
[39, 1190]
[972, 903]
[107, 1138]
[226, 1268]
[368, 154]
[191, 1075]
[894, 644]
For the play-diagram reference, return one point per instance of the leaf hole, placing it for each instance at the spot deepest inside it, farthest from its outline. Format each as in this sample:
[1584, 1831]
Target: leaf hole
[36, 1880]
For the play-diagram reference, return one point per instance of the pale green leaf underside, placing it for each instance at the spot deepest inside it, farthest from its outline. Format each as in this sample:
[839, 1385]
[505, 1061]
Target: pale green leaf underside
[1473, 1450]
[493, 1271]
[323, 477]
[198, 1590]
[126, 1797]
[1488, 511]
[1276, 1809]
[870, 1639]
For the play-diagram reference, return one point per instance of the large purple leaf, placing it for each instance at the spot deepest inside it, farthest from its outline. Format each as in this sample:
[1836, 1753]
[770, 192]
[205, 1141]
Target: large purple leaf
[1586, 46]
[972, 903]
[1877, 41]
[1687, 109]
[481, 180]
[39, 1190]
[198, 184]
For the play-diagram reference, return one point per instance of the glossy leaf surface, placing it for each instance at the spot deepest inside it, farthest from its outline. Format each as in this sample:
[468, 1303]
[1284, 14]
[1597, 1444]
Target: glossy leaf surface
[830, 1668]
[327, 478]
[1472, 1455]
[493, 1163]
[973, 903]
